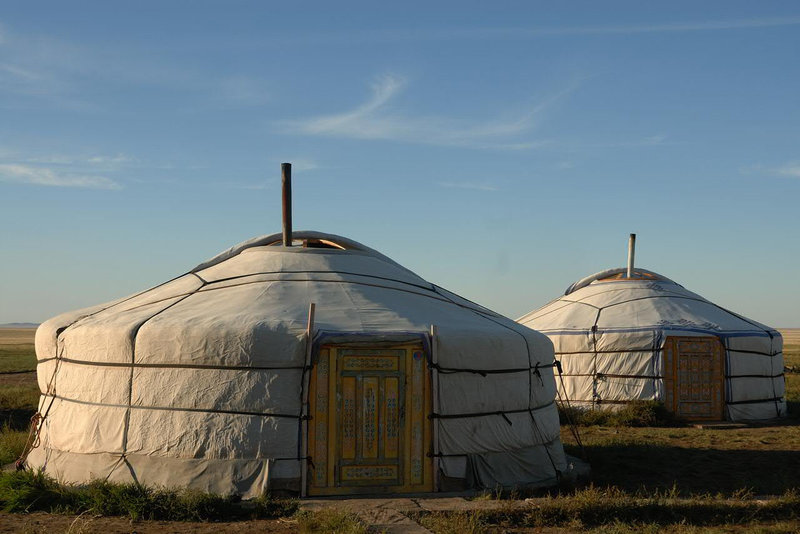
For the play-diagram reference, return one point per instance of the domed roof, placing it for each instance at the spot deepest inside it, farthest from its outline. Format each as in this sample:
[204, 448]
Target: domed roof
[609, 301]
[253, 297]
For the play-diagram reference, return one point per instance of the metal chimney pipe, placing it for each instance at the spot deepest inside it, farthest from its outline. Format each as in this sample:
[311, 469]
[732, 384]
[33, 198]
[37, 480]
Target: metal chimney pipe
[286, 187]
[631, 251]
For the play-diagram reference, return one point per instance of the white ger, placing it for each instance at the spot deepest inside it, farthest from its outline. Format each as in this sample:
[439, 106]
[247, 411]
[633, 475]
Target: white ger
[305, 362]
[628, 333]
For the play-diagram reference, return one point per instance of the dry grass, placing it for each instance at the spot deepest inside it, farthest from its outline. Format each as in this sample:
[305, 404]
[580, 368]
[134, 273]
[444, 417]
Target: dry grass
[17, 336]
[16, 349]
[791, 347]
[330, 521]
[790, 335]
[636, 413]
[616, 511]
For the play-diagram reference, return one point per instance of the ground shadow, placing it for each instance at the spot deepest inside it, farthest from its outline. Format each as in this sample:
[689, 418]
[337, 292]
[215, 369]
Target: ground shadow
[693, 471]
[16, 419]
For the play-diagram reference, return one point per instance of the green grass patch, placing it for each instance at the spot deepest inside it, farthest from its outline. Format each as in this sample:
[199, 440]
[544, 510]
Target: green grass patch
[19, 398]
[28, 491]
[793, 394]
[633, 414]
[17, 358]
[12, 442]
[330, 521]
[17, 406]
[615, 509]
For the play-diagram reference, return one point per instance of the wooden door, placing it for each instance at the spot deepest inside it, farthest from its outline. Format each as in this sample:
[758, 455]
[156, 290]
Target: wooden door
[694, 377]
[370, 431]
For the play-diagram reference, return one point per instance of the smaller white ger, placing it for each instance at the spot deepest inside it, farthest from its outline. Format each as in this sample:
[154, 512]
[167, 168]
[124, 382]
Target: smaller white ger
[628, 333]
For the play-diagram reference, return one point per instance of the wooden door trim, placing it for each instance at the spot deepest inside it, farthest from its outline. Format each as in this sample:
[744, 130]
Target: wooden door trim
[671, 376]
[323, 435]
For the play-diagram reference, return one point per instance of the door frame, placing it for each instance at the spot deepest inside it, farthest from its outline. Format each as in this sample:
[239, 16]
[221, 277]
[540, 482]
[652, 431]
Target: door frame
[324, 428]
[672, 380]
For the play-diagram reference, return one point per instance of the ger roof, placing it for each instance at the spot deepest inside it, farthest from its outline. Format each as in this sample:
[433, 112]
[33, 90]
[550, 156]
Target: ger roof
[647, 301]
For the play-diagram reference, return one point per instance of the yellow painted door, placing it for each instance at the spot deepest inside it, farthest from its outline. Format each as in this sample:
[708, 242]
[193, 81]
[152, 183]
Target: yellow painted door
[369, 431]
[694, 377]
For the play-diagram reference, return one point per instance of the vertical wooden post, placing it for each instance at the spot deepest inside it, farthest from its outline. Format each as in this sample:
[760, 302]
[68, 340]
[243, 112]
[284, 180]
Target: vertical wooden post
[304, 408]
[631, 251]
[435, 405]
[286, 187]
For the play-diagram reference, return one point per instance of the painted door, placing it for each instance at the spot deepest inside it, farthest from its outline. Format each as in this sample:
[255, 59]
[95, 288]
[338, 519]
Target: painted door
[369, 431]
[693, 377]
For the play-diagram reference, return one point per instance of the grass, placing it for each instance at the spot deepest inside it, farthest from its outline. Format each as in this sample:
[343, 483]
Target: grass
[634, 414]
[28, 491]
[762, 459]
[618, 511]
[15, 358]
[472, 522]
[330, 521]
[791, 356]
[17, 406]
[12, 442]
[793, 394]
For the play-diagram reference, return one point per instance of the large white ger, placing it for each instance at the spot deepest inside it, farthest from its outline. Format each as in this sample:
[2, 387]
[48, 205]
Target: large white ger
[221, 379]
[626, 334]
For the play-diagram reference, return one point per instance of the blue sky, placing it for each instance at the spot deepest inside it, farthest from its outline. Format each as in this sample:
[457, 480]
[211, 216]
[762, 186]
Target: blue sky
[500, 150]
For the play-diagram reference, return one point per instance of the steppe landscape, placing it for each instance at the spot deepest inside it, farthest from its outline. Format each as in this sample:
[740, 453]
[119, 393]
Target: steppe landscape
[674, 478]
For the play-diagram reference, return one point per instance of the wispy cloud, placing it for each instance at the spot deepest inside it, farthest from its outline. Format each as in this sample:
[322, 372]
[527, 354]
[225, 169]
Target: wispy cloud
[417, 35]
[28, 174]
[110, 160]
[244, 91]
[469, 185]
[36, 69]
[646, 141]
[375, 120]
[99, 160]
[790, 169]
[695, 26]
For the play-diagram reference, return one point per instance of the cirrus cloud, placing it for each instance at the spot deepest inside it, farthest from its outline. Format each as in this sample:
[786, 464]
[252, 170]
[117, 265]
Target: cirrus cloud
[376, 120]
[43, 176]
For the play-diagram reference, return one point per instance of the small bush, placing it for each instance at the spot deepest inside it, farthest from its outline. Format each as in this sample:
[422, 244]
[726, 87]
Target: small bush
[635, 413]
[330, 521]
[27, 491]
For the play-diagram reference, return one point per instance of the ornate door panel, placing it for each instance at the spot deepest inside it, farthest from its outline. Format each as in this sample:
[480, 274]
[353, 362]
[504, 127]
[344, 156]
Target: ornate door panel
[693, 377]
[369, 431]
